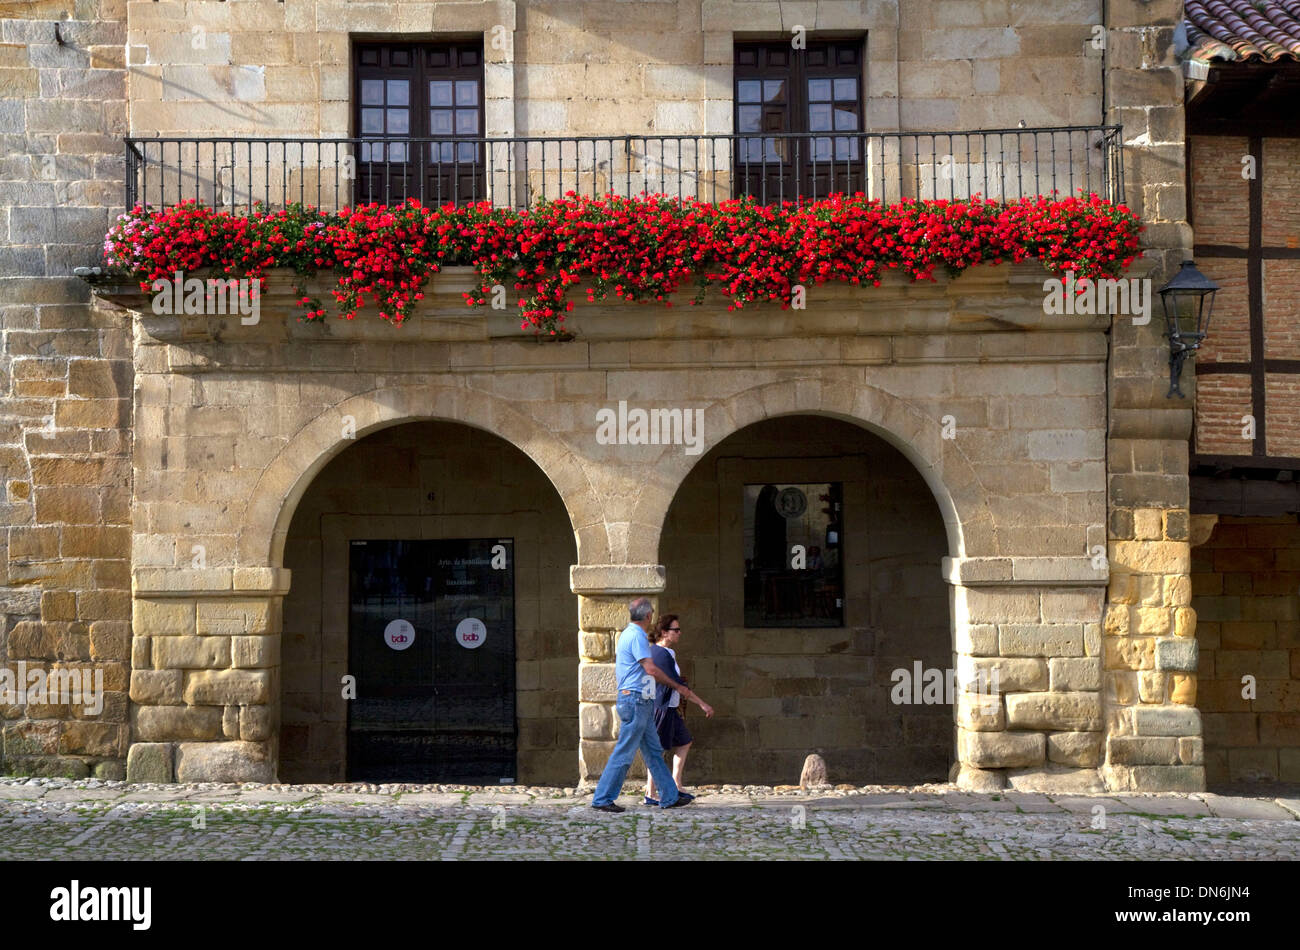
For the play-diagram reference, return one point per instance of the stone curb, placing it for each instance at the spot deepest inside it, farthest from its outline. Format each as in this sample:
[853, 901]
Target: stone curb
[925, 797]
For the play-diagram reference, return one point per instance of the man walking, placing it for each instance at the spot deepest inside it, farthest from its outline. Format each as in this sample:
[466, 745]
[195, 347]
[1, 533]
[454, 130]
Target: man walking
[636, 674]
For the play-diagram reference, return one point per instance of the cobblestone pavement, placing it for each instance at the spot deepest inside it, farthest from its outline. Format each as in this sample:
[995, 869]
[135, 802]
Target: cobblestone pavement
[60, 818]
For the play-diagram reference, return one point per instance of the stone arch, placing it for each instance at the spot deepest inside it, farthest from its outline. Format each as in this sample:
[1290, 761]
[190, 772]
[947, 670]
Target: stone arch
[265, 523]
[917, 435]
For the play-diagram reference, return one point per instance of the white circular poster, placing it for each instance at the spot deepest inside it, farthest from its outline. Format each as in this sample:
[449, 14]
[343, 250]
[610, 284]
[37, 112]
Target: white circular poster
[470, 633]
[399, 634]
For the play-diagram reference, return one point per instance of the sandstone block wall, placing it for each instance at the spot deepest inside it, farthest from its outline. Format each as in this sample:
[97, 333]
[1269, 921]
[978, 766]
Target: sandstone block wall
[1246, 593]
[236, 421]
[65, 383]
[592, 68]
[1149, 623]
[219, 460]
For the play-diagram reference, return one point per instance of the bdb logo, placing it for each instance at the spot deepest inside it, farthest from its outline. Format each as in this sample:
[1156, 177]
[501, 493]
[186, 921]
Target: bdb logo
[471, 633]
[399, 634]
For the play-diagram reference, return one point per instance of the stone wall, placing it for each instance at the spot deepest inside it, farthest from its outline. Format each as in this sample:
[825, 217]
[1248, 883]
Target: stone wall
[578, 67]
[428, 480]
[1018, 485]
[594, 68]
[65, 382]
[1246, 593]
[783, 693]
[222, 460]
[1150, 682]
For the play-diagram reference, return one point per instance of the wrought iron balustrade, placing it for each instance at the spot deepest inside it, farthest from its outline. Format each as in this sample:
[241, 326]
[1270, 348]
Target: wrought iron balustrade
[239, 173]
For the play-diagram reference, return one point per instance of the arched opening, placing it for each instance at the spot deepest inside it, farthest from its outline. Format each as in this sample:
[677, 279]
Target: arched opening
[437, 524]
[836, 650]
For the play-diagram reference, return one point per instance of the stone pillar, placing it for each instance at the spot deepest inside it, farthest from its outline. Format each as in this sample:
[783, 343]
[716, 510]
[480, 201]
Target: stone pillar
[604, 591]
[1028, 659]
[1153, 728]
[205, 683]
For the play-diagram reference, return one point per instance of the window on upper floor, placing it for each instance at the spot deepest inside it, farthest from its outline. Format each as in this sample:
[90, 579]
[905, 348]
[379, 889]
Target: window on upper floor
[422, 104]
[803, 96]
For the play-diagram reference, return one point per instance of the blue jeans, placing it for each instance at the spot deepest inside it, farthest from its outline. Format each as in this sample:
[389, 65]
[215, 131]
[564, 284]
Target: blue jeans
[636, 731]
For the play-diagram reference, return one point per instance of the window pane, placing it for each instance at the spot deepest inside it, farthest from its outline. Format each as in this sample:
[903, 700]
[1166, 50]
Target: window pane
[819, 117]
[372, 92]
[399, 122]
[467, 122]
[466, 92]
[440, 93]
[774, 90]
[846, 90]
[821, 150]
[439, 121]
[366, 155]
[399, 92]
[467, 153]
[749, 118]
[749, 90]
[819, 90]
[372, 121]
[397, 152]
[846, 149]
[846, 120]
[784, 589]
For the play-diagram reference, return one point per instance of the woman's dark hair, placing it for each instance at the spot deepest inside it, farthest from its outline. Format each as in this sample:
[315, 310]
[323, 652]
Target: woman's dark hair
[666, 621]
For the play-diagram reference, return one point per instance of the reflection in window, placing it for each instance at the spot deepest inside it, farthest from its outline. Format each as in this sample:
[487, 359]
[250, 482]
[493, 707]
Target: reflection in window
[793, 542]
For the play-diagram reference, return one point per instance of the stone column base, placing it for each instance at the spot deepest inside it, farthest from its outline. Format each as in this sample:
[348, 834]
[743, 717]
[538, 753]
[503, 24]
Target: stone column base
[604, 591]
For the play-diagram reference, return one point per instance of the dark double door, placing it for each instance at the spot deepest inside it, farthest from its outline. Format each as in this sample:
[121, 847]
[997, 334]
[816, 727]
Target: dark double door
[431, 642]
[810, 99]
[419, 113]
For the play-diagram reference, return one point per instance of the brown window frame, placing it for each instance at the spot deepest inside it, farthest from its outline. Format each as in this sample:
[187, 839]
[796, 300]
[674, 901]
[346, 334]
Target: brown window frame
[435, 180]
[774, 174]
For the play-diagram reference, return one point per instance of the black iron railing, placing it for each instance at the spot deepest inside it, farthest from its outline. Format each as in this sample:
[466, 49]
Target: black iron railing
[238, 173]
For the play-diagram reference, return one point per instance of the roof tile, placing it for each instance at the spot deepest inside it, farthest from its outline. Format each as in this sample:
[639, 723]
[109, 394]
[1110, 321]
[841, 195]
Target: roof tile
[1244, 30]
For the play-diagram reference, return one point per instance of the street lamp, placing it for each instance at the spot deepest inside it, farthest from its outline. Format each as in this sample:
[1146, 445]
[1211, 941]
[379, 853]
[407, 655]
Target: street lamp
[1188, 301]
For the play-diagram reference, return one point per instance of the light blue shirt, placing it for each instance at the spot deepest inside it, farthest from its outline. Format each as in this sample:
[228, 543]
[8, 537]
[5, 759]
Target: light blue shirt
[633, 647]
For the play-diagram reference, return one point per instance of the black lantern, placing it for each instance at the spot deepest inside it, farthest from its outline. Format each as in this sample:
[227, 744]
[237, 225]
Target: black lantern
[1188, 301]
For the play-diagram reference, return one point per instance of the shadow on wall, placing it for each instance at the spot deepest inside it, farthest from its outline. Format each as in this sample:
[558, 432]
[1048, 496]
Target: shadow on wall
[1246, 594]
[762, 643]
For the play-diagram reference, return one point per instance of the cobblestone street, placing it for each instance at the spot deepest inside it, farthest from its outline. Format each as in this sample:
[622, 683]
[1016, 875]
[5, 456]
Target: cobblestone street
[52, 819]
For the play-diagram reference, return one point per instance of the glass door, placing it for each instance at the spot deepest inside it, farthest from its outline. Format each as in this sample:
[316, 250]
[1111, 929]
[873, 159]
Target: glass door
[431, 642]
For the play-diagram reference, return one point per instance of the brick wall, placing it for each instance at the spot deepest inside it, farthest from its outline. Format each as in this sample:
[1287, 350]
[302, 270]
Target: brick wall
[1221, 214]
[1246, 593]
[65, 382]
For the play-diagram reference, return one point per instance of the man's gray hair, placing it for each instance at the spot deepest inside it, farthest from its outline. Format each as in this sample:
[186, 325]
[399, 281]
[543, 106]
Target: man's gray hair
[641, 608]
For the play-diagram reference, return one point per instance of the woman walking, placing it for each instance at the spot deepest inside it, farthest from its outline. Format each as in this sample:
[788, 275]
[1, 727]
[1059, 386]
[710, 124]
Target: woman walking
[673, 734]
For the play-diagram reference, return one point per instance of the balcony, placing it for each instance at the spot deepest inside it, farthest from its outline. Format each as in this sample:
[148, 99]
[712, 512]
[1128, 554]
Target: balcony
[237, 174]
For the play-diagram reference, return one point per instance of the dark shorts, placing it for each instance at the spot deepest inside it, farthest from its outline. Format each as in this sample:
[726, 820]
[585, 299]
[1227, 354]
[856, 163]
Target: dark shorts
[671, 728]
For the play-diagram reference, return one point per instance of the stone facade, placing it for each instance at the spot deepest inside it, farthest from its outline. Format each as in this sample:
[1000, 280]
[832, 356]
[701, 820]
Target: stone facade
[1246, 592]
[169, 437]
[65, 408]
[1014, 504]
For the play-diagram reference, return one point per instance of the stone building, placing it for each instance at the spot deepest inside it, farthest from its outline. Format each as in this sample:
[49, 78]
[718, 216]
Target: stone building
[233, 522]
